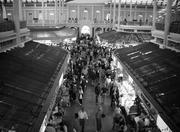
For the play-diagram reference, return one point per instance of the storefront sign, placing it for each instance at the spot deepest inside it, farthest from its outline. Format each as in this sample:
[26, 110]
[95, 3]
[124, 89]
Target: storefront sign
[162, 125]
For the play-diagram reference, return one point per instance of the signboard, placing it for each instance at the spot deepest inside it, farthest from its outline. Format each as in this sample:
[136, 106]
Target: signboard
[162, 125]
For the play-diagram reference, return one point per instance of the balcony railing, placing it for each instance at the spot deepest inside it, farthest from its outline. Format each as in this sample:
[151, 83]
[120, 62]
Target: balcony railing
[23, 24]
[75, 21]
[160, 26]
[175, 27]
[9, 25]
[135, 23]
[102, 22]
[6, 26]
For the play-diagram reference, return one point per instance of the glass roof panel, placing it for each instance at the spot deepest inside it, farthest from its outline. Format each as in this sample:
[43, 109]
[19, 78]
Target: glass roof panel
[159, 2]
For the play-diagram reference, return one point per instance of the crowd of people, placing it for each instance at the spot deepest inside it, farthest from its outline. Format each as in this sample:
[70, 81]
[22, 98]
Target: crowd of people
[90, 64]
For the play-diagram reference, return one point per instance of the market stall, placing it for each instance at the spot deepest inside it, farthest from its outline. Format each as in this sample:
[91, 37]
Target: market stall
[131, 97]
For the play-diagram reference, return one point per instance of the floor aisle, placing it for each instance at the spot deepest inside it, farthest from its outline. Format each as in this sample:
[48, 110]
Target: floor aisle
[91, 108]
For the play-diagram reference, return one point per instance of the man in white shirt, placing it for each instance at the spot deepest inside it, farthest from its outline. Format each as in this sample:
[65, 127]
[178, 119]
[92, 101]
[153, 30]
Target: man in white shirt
[82, 117]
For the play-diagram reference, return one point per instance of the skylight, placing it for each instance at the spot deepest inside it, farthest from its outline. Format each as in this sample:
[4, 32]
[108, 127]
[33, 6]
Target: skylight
[163, 2]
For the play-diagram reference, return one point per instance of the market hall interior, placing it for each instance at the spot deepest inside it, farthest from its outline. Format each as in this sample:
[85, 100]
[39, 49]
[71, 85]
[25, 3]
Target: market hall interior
[86, 66]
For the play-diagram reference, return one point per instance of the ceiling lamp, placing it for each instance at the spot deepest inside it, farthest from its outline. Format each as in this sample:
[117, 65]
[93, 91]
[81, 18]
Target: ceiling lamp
[85, 11]
[97, 11]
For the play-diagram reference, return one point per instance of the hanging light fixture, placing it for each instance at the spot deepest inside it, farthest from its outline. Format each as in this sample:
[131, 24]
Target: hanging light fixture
[97, 11]
[85, 10]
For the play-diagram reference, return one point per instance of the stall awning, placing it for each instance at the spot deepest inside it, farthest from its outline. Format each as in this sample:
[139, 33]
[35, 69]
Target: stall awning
[158, 70]
[25, 83]
[124, 37]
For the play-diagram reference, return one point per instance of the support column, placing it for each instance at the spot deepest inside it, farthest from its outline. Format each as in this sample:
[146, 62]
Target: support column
[43, 14]
[119, 14]
[23, 12]
[67, 6]
[60, 6]
[145, 13]
[154, 14]
[78, 13]
[92, 13]
[56, 12]
[125, 11]
[20, 10]
[110, 11]
[135, 12]
[103, 14]
[167, 21]
[17, 6]
[114, 13]
[130, 19]
[62, 10]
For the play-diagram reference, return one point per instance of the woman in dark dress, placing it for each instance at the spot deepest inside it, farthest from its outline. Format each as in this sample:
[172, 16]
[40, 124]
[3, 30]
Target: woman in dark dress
[99, 116]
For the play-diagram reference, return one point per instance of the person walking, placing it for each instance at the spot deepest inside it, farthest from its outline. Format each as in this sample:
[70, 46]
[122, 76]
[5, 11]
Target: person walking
[82, 115]
[97, 92]
[99, 116]
[103, 94]
[80, 96]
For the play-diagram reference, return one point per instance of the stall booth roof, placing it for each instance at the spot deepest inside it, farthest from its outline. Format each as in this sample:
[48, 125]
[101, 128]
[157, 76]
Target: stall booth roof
[158, 70]
[52, 34]
[25, 76]
[113, 37]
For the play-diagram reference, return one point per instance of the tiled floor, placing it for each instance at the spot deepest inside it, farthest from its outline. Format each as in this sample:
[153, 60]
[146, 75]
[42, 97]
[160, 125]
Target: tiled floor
[91, 108]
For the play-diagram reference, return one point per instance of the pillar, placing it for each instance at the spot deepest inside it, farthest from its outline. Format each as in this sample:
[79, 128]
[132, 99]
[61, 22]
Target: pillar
[145, 17]
[17, 8]
[110, 11]
[135, 12]
[43, 13]
[78, 13]
[114, 13]
[62, 10]
[56, 12]
[167, 21]
[67, 12]
[119, 13]
[130, 19]
[60, 6]
[154, 14]
[103, 14]
[20, 10]
[125, 11]
[92, 13]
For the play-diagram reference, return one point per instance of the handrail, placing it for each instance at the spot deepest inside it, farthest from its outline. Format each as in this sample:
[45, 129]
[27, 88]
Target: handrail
[174, 27]
[8, 25]
[160, 26]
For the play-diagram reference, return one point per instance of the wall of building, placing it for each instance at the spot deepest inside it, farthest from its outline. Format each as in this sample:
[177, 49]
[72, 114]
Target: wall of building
[37, 15]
